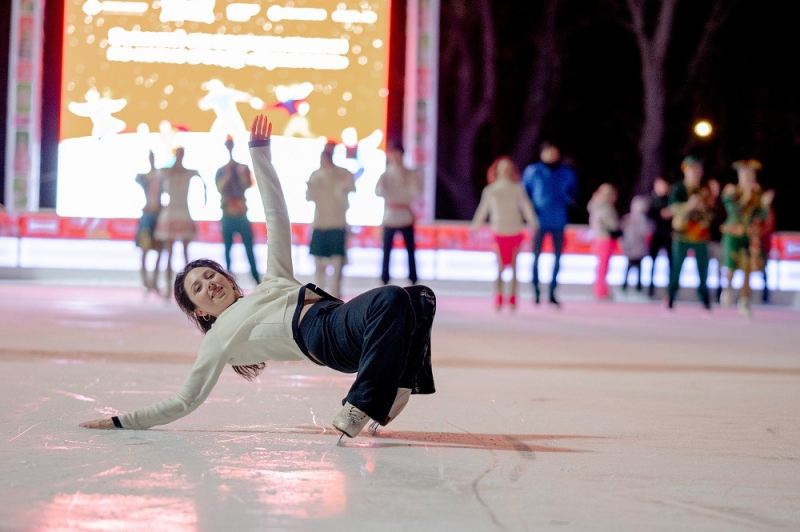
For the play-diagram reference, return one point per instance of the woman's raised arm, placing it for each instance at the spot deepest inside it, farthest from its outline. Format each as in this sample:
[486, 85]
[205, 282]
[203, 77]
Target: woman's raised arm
[279, 230]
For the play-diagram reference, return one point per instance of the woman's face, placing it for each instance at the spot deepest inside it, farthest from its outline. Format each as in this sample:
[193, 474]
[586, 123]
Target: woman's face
[660, 187]
[550, 155]
[210, 291]
[693, 174]
[747, 178]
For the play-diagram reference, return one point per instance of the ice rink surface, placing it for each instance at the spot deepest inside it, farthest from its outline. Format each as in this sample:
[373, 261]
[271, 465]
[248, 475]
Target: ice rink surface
[597, 416]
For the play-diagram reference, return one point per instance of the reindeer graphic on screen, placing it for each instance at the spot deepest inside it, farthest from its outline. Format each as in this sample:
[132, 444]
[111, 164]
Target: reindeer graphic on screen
[99, 110]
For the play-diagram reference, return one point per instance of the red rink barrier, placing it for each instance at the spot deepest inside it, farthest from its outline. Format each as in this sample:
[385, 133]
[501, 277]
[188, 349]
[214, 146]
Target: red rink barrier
[439, 235]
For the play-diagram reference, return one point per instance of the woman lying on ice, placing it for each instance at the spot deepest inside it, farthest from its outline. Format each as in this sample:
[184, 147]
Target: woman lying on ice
[382, 335]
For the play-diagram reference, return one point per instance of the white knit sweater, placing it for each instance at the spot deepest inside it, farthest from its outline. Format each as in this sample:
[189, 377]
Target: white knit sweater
[400, 188]
[257, 328]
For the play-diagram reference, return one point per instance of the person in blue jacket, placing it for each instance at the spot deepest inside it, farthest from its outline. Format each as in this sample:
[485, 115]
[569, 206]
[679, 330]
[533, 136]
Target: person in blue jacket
[552, 187]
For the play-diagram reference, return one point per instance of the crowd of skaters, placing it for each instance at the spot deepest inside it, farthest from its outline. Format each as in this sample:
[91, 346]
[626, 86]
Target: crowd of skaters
[731, 224]
[165, 222]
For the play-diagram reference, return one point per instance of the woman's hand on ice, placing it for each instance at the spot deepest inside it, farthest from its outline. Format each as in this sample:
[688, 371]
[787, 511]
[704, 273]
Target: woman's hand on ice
[261, 129]
[104, 424]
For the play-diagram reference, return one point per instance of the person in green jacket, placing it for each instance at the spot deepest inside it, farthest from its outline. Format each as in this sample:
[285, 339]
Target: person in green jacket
[746, 207]
[690, 205]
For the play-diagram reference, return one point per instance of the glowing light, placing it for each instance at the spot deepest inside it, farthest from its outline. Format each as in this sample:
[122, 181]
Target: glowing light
[351, 16]
[241, 12]
[278, 13]
[702, 128]
[350, 136]
[95, 7]
[187, 11]
[99, 512]
[230, 51]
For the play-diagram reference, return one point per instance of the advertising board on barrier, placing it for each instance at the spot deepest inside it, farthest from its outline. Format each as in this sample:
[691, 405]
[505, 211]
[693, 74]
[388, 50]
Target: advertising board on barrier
[441, 235]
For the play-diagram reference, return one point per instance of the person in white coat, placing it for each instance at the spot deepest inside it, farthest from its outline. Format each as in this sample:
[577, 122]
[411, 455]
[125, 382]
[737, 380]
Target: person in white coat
[509, 209]
[329, 188]
[604, 225]
[400, 187]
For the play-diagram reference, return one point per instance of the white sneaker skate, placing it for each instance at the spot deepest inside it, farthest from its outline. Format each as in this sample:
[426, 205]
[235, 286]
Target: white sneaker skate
[744, 307]
[726, 299]
[350, 420]
[400, 402]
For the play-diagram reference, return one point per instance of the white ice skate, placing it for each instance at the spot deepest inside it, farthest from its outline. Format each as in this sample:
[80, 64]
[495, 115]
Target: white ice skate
[350, 420]
[400, 402]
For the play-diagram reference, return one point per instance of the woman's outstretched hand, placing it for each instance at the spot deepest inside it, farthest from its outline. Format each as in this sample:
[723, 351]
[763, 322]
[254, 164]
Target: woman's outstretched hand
[261, 128]
[98, 424]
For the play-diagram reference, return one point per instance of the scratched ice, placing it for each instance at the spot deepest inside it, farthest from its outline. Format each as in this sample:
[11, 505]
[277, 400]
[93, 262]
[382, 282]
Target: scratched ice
[595, 417]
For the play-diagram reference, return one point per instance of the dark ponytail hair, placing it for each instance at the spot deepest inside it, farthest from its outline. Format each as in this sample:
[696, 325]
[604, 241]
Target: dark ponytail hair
[249, 372]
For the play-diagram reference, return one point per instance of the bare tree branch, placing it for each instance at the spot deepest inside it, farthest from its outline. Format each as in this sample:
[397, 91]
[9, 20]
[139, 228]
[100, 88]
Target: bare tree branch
[719, 14]
[543, 83]
[661, 37]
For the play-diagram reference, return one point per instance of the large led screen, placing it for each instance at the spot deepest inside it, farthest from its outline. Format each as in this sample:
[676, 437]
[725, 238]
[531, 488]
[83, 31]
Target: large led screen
[157, 75]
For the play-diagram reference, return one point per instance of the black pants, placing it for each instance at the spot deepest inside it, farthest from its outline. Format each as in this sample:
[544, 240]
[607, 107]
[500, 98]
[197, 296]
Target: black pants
[388, 240]
[239, 224]
[633, 263]
[558, 245]
[382, 335]
[657, 243]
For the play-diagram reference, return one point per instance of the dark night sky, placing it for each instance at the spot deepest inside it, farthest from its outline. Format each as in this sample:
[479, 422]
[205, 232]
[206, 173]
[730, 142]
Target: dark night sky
[744, 89]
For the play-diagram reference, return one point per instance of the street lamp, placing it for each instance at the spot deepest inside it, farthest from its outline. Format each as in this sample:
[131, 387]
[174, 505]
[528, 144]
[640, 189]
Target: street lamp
[702, 128]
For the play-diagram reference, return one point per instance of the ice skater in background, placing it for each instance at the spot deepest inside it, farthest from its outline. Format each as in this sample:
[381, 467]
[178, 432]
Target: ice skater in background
[145, 234]
[99, 110]
[767, 230]
[223, 101]
[508, 208]
[329, 188]
[383, 336]
[692, 215]
[604, 224]
[232, 181]
[553, 188]
[400, 187]
[661, 216]
[747, 207]
[637, 229]
[175, 223]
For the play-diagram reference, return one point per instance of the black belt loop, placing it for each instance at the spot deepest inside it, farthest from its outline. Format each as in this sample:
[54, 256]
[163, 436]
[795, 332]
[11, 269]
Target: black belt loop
[320, 292]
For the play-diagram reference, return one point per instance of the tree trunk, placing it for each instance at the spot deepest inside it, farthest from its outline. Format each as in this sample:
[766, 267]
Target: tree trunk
[469, 115]
[652, 134]
[543, 85]
[653, 52]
